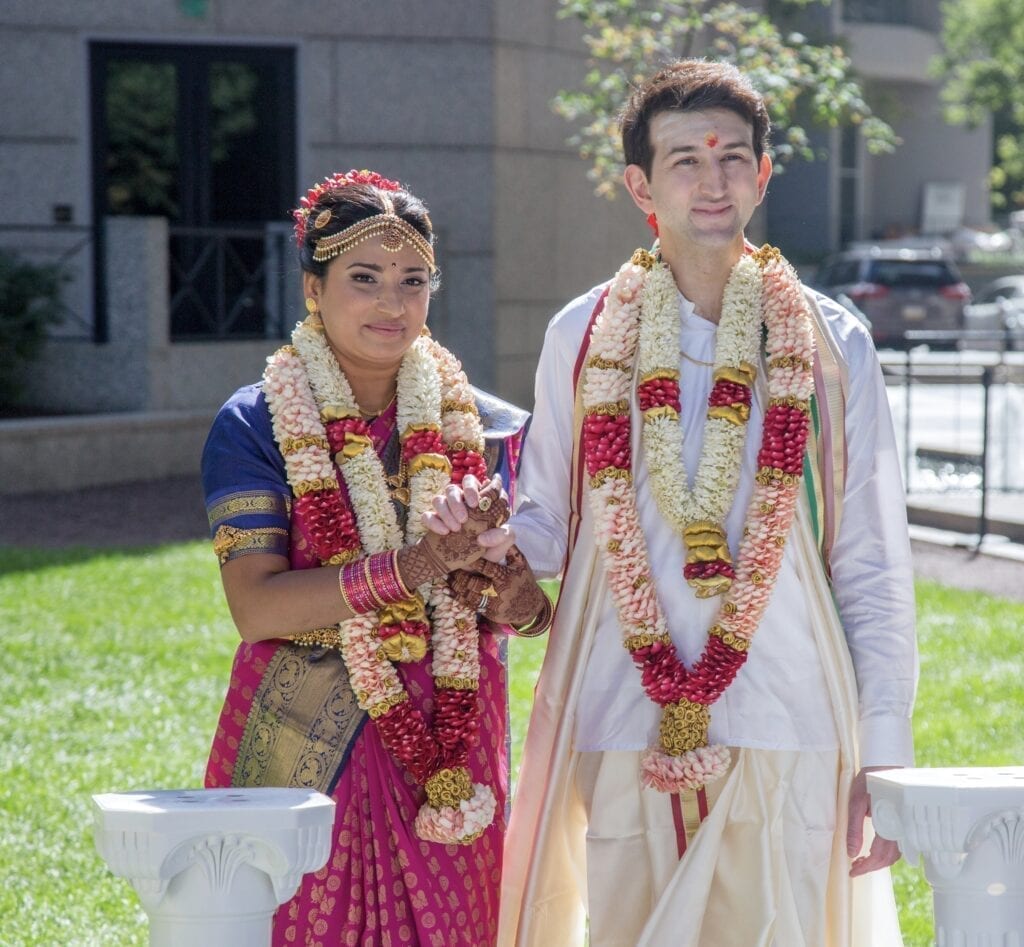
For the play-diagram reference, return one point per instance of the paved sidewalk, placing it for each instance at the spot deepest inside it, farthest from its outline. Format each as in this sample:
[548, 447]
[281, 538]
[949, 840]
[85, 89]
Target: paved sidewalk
[150, 514]
[128, 516]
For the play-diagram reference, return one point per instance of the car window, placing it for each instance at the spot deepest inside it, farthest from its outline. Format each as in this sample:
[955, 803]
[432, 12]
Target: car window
[838, 273]
[1006, 291]
[910, 273]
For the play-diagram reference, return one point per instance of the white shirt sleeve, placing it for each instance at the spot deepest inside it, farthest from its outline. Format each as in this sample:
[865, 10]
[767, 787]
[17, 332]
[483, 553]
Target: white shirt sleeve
[872, 572]
[541, 521]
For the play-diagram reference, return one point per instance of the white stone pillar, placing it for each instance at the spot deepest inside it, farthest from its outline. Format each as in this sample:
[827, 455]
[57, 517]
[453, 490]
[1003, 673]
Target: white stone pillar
[211, 866]
[968, 826]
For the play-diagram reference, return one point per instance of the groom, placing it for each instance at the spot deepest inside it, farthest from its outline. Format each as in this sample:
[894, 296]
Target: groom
[711, 469]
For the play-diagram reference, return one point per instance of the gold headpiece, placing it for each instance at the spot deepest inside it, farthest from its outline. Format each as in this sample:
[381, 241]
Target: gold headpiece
[393, 232]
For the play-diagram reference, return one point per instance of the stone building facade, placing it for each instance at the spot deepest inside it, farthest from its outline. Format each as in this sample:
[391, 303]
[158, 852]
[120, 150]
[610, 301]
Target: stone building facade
[236, 106]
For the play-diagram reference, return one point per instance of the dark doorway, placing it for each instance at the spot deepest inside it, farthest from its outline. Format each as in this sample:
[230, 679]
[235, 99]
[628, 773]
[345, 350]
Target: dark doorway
[205, 136]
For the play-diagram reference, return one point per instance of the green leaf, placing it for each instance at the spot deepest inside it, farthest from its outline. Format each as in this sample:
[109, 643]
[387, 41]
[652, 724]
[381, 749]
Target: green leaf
[629, 38]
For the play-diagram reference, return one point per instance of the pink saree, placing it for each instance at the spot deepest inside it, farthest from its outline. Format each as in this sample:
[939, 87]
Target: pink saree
[382, 886]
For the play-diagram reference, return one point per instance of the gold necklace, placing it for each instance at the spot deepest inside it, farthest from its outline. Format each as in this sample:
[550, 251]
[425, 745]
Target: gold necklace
[696, 361]
[369, 415]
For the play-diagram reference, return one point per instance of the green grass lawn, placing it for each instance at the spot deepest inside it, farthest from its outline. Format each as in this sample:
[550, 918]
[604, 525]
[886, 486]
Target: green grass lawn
[114, 667]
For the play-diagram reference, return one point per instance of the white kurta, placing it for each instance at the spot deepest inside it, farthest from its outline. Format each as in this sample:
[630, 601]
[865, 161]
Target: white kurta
[780, 699]
[809, 685]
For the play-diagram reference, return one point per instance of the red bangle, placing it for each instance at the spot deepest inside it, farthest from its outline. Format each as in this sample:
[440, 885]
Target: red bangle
[355, 588]
[385, 581]
[372, 583]
[341, 589]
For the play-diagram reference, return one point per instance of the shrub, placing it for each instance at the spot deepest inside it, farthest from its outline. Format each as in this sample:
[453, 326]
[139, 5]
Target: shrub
[29, 304]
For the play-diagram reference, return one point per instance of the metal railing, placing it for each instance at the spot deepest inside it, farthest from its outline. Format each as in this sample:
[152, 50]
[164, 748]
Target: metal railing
[225, 282]
[961, 418]
[228, 282]
[70, 248]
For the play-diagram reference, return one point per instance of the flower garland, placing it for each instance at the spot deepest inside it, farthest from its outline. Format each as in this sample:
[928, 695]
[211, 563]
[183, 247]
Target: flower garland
[315, 415]
[333, 183]
[698, 514]
[684, 759]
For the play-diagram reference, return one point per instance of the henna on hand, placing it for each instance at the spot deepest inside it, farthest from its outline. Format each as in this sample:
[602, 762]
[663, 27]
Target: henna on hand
[444, 554]
[436, 555]
[416, 566]
[467, 587]
[518, 599]
[492, 508]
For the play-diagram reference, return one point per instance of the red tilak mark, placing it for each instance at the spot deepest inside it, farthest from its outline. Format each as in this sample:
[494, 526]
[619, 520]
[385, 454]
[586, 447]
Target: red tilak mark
[711, 139]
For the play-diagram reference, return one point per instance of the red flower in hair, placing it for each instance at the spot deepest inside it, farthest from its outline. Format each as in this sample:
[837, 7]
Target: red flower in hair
[333, 183]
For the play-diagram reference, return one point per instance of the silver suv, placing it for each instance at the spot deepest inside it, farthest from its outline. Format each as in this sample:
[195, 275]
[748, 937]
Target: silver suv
[898, 289]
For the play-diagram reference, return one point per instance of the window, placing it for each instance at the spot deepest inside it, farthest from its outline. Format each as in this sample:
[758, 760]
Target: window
[204, 136]
[911, 273]
[840, 273]
[877, 11]
[849, 184]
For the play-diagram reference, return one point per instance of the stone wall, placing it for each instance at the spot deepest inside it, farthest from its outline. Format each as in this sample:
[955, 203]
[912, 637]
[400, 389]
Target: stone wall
[140, 369]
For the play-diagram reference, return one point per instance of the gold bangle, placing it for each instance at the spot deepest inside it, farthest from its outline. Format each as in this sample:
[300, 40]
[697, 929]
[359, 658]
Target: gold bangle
[539, 623]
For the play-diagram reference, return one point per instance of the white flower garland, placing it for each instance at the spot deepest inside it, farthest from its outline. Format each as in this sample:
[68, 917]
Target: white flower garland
[738, 341]
[304, 384]
[684, 760]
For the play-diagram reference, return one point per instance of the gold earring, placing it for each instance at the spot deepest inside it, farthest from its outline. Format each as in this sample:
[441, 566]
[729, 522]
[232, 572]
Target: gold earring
[311, 305]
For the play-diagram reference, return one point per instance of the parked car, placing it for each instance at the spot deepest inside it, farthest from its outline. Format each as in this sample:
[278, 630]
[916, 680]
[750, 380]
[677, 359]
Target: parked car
[898, 289]
[999, 307]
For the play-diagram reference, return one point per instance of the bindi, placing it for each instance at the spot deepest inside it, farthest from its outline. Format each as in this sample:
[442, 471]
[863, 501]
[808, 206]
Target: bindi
[711, 139]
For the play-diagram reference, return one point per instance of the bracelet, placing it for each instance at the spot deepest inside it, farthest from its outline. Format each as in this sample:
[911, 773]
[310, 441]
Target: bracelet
[539, 623]
[385, 581]
[403, 589]
[341, 589]
[371, 587]
[372, 583]
[355, 588]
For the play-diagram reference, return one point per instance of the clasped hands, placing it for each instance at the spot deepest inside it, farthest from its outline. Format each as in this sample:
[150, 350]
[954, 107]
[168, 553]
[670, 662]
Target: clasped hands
[467, 530]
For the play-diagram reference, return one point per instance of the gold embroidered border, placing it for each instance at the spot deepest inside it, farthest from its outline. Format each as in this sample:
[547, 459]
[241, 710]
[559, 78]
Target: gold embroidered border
[229, 542]
[303, 719]
[248, 503]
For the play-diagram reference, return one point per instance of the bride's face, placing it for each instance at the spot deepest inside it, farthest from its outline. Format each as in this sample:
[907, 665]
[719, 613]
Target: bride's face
[373, 303]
